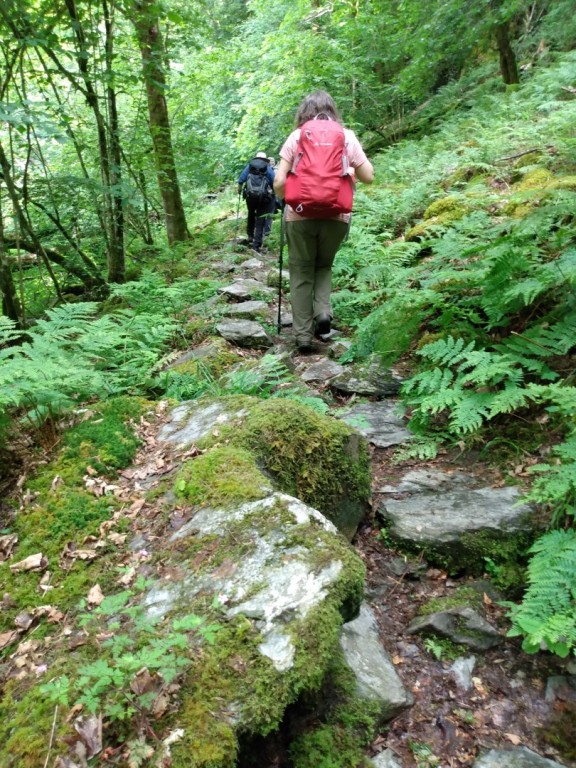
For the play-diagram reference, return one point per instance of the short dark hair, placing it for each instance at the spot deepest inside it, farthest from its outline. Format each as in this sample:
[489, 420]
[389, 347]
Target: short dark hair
[316, 103]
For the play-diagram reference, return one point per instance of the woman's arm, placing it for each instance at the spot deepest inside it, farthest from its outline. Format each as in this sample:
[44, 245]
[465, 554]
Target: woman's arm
[281, 172]
[365, 172]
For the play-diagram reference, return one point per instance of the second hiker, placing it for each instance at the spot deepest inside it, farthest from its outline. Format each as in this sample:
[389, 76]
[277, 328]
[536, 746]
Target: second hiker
[318, 165]
[256, 184]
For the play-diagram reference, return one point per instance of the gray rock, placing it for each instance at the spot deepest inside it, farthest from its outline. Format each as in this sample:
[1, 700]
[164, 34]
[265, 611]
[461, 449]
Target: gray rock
[323, 370]
[247, 309]
[380, 423]
[560, 687]
[434, 507]
[211, 348]
[285, 318]
[462, 625]
[368, 379]
[251, 264]
[222, 267]
[386, 759]
[245, 289]
[275, 583]
[338, 347]
[519, 757]
[462, 669]
[190, 422]
[376, 677]
[244, 333]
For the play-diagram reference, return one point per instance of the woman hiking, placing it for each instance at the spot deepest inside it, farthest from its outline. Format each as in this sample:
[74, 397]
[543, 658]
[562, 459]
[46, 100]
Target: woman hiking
[318, 164]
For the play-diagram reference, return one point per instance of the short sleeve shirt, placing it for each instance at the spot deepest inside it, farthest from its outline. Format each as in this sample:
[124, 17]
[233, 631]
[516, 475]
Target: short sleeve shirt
[356, 156]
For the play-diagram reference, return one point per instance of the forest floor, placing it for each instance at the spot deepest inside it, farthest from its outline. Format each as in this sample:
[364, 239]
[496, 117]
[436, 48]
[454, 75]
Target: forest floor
[511, 700]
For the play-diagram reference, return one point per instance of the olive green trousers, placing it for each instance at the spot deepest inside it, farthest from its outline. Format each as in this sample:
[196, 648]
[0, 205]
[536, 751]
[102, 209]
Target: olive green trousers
[312, 247]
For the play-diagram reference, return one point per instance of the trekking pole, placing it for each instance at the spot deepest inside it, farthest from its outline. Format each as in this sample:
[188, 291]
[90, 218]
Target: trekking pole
[238, 215]
[282, 225]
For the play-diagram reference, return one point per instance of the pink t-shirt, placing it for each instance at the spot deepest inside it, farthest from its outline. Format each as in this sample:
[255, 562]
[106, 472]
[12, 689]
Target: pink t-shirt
[356, 157]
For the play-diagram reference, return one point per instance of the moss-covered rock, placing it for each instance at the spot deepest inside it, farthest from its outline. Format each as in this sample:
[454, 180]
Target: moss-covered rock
[209, 360]
[439, 214]
[221, 476]
[311, 456]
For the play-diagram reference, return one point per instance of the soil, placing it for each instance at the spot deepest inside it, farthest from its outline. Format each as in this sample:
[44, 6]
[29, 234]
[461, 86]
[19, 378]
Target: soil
[513, 698]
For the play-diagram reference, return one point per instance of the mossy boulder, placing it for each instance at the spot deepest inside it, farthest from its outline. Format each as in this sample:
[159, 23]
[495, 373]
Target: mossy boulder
[209, 359]
[314, 457]
[536, 185]
[440, 213]
[221, 476]
[285, 581]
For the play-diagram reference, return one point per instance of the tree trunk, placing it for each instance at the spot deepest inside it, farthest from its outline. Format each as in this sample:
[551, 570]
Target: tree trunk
[117, 260]
[508, 65]
[112, 192]
[152, 51]
[10, 304]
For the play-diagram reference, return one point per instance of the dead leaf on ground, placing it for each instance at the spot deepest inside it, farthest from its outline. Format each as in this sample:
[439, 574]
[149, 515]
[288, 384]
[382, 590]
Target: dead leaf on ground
[24, 620]
[44, 584]
[90, 731]
[35, 562]
[70, 554]
[513, 738]
[6, 638]
[7, 544]
[95, 595]
[53, 614]
[56, 482]
[128, 577]
[65, 762]
[136, 507]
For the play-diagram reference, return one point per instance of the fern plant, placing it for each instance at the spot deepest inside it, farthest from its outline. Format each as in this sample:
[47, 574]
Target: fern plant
[547, 615]
[72, 355]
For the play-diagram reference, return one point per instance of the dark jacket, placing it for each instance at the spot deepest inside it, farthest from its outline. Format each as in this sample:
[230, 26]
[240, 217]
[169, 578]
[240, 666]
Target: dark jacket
[258, 164]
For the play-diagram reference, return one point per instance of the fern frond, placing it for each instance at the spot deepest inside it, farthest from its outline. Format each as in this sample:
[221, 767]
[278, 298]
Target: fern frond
[547, 613]
[449, 351]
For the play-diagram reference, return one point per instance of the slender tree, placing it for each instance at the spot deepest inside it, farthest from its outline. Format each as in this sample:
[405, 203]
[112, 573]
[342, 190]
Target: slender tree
[152, 51]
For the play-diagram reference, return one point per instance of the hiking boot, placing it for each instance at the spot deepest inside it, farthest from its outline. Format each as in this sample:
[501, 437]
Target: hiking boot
[323, 325]
[305, 347]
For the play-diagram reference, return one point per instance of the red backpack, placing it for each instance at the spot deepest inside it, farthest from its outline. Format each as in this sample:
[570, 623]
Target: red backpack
[318, 186]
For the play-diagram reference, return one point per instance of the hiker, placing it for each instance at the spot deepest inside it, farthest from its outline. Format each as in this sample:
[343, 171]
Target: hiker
[256, 184]
[318, 191]
[277, 203]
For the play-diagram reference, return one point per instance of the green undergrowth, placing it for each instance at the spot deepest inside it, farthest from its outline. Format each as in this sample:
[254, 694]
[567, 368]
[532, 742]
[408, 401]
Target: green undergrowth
[63, 510]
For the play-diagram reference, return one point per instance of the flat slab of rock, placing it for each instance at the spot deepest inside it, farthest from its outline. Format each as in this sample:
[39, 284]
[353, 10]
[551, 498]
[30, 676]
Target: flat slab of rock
[376, 677]
[519, 757]
[245, 333]
[191, 422]
[462, 625]
[323, 370]
[243, 290]
[435, 507]
[247, 310]
[379, 422]
[370, 379]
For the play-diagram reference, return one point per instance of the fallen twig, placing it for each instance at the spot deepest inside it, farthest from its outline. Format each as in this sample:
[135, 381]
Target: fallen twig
[52, 735]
